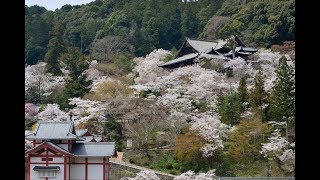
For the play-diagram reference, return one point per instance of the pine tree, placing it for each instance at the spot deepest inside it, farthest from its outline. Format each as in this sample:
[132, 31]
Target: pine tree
[55, 49]
[258, 97]
[76, 85]
[243, 93]
[229, 108]
[282, 106]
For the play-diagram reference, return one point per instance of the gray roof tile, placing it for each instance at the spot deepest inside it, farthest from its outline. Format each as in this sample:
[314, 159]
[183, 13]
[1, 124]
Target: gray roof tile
[93, 149]
[53, 130]
[180, 59]
[81, 132]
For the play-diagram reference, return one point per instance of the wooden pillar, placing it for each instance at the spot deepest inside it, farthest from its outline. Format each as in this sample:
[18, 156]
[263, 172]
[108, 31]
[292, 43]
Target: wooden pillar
[64, 167]
[28, 166]
[47, 154]
[69, 167]
[86, 169]
[104, 168]
[108, 169]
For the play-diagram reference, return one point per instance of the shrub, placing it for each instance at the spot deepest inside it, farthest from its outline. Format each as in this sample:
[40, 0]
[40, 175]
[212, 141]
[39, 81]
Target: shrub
[169, 166]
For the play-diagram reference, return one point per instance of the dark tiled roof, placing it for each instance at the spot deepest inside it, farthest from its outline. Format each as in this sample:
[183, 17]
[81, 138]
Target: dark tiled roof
[53, 130]
[51, 145]
[81, 132]
[93, 149]
[180, 59]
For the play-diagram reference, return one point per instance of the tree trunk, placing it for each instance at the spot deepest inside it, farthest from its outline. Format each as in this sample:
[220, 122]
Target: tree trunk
[287, 135]
[233, 47]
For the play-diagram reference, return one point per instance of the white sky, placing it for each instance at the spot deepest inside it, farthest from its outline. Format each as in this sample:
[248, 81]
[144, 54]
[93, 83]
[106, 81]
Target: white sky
[53, 4]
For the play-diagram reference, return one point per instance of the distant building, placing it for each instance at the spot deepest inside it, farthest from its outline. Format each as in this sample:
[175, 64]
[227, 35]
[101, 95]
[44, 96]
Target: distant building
[88, 137]
[193, 50]
[60, 152]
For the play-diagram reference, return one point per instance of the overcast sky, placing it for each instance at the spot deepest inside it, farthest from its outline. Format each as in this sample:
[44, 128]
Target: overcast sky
[53, 4]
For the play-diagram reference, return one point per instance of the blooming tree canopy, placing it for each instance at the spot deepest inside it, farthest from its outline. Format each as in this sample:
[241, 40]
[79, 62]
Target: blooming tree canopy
[280, 148]
[53, 113]
[30, 110]
[212, 130]
[190, 175]
[144, 175]
[35, 75]
[87, 109]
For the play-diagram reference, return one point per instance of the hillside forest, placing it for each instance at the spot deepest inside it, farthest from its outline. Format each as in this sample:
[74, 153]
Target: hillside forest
[98, 64]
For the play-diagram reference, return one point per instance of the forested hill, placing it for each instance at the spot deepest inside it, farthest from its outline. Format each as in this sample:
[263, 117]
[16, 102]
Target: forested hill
[135, 28]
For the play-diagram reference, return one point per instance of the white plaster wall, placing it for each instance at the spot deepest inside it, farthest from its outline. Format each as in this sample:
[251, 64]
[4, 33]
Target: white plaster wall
[77, 171]
[36, 159]
[35, 176]
[80, 160]
[95, 160]
[57, 160]
[95, 172]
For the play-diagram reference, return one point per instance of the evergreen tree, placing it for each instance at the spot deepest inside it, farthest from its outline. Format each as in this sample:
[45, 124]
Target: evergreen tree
[229, 108]
[258, 96]
[242, 93]
[189, 23]
[55, 49]
[282, 106]
[76, 85]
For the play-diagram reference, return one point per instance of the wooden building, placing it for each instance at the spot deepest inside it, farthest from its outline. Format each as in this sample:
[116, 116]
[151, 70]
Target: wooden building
[62, 153]
[193, 50]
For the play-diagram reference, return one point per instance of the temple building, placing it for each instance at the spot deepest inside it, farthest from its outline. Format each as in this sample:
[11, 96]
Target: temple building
[61, 152]
[193, 50]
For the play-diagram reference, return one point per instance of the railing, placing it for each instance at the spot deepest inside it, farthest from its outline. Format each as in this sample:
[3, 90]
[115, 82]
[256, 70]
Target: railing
[117, 164]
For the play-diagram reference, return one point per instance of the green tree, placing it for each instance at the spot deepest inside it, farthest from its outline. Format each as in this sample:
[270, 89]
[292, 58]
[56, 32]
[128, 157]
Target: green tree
[55, 49]
[243, 93]
[258, 96]
[188, 146]
[282, 106]
[229, 108]
[76, 84]
[245, 141]
[189, 23]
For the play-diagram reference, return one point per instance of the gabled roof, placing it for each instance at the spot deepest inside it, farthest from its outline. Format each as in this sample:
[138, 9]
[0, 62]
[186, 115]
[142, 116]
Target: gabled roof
[94, 149]
[180, 59]
[49, 145]
[92, 138]
[98, 138]
[88, 138]
[57, 130]
[81, 132]
[205, 46]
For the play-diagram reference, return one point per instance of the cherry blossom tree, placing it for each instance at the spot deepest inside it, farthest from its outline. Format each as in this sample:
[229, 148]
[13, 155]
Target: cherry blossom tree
[147, 68]
[52, 112]
[87, 109]
[35, 76]
[144, 175]
[212, 130]
[240, 67]
[190, 175]
[31, 110]
[280, 148]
